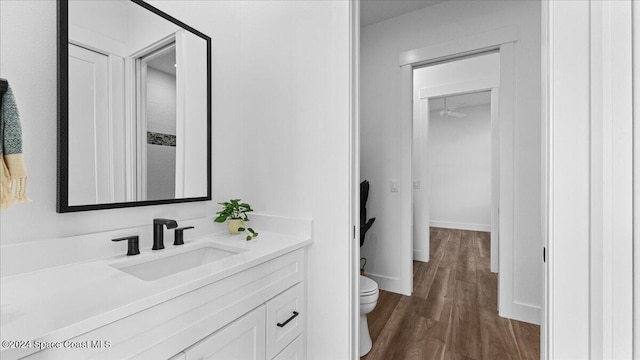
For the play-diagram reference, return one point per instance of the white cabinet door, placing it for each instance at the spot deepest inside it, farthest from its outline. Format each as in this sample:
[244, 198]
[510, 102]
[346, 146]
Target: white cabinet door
[243, 339]
[180, 356]
[295, 351]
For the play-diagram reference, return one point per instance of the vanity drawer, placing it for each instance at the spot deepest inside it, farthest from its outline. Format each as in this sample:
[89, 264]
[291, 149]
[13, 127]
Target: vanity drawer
[285, 319]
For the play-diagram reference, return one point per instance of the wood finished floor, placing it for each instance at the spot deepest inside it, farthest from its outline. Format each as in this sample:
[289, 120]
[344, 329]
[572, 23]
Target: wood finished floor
[452, 313]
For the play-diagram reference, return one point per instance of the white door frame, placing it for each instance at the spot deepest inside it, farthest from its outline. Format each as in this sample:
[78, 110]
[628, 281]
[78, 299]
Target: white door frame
[636, 178]
[501, 40]
[587, 89]
[354, 166]
[485, 84]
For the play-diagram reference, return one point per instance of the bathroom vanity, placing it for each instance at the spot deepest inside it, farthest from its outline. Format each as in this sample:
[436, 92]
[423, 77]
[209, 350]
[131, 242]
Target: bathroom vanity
[216, 297]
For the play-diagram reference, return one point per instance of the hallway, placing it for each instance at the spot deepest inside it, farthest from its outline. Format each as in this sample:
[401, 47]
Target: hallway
[452, 313]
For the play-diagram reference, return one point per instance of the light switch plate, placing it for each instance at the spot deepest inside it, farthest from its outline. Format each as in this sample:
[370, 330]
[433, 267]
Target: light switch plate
[394, 185]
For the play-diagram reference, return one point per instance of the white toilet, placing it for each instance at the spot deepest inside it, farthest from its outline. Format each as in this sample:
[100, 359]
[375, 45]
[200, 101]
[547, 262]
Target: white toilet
[368, 301]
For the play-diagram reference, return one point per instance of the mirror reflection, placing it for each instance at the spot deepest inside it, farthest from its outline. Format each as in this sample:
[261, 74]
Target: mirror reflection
[137, 106]
[159, 78]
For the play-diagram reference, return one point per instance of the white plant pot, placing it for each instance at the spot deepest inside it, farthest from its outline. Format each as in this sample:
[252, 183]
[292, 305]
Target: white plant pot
[233, 225]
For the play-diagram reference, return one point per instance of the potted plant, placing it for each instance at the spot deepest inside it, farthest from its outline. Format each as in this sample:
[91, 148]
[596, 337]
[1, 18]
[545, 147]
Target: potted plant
[235, 213]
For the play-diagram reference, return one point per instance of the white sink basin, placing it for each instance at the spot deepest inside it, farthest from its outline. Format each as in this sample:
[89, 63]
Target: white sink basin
[166, 264]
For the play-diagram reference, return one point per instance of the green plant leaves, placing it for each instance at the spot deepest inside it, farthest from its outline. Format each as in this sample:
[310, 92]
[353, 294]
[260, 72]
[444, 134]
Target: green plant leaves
[253, 233]
[235, 209]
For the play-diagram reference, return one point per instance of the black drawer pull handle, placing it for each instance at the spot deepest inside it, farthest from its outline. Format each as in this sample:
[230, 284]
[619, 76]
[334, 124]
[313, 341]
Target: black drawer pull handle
[295, 313]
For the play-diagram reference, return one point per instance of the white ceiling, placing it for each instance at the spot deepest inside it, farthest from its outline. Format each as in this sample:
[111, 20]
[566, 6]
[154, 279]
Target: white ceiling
[461, 101]
[165, 63]
[373, 11]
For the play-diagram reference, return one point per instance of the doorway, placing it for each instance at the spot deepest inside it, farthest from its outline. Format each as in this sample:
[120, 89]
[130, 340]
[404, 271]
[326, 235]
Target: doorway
[456, 291]
[501, 42]
[156, 77]
[456, 172]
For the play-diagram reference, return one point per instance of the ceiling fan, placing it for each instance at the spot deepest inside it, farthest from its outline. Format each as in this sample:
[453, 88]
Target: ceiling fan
[451, 110]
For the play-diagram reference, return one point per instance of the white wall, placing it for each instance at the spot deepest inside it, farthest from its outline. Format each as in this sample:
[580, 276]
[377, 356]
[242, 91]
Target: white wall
[126, 25]
[481, 68]
[27, 60]
[99, 22]
[145, 28]
[161, 102]
[460, 169]
[161, 164]
[380, 131]
[295, 58]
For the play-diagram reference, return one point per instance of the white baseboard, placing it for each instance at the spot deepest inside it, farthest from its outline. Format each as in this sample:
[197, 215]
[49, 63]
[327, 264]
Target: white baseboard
[419, 255]
[460, 226]
[387, 283]
[524, 312]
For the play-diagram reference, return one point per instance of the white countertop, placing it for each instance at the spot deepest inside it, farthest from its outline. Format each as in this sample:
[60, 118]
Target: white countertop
[60, 303]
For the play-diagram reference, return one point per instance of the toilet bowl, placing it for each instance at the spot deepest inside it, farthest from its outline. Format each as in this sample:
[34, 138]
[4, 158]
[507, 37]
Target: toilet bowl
[368, 301]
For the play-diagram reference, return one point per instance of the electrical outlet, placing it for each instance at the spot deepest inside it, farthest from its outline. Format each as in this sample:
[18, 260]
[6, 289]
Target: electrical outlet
[416, 184]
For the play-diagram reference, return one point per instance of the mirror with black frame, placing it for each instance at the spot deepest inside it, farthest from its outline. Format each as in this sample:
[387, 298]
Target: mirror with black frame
[134, 119]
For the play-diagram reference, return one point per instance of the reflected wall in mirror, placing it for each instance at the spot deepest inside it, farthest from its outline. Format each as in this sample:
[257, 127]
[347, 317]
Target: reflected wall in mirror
[134, 107]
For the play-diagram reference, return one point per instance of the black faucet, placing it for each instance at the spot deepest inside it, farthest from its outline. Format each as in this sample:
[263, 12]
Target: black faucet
[179, 235]
[133, 247]
[158, 231]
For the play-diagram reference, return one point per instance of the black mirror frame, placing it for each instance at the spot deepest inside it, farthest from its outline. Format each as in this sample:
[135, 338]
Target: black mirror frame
[62, 204]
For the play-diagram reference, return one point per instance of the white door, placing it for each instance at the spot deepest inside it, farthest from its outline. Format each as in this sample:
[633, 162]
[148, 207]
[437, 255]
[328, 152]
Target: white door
[420, 162]
[90, 180]
[243, 339]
